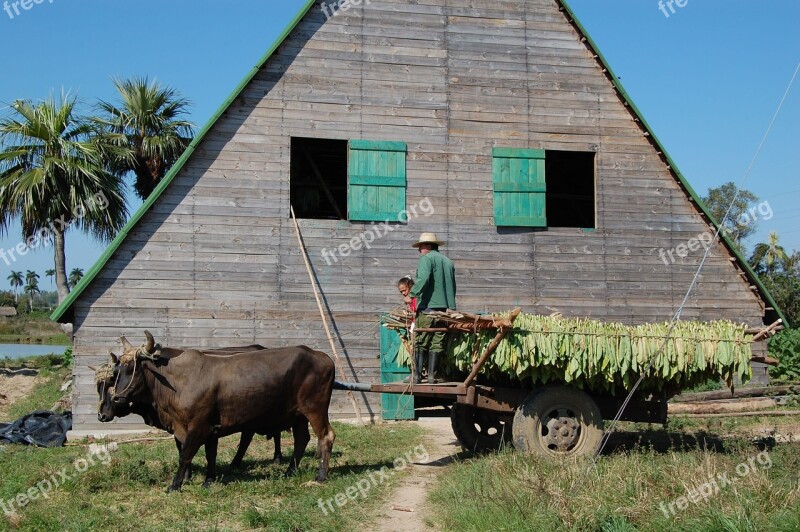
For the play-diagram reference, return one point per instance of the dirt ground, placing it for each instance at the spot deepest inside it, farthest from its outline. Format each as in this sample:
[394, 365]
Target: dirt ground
[405, 510]
[13, 388]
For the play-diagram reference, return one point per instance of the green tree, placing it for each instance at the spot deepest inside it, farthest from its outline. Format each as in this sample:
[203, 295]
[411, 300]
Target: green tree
[719, 199]
[50, 273]
[767, 256]
[8, 299]
[16, 280]
[31, 287]
[785, 289]
[75, 276]
[52, 165]
[148, 122]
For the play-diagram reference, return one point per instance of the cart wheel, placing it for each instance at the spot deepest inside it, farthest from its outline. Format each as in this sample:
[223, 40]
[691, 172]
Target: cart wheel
[479, 430]
[558, 421]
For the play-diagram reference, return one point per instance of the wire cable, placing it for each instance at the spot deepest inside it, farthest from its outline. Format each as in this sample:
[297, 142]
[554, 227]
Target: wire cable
[607, 433]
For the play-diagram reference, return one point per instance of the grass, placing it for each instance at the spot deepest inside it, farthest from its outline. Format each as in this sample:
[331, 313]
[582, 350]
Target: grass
[34, 328]
[623, 491]
[128, 493]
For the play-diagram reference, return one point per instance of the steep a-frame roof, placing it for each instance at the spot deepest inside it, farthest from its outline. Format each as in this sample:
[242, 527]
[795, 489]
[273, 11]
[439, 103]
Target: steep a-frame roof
[64, 313]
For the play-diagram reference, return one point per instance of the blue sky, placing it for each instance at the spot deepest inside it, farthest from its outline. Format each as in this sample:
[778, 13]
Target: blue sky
[708, 78]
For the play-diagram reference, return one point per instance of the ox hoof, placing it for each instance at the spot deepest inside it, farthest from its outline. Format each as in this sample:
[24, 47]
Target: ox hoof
[172, 489]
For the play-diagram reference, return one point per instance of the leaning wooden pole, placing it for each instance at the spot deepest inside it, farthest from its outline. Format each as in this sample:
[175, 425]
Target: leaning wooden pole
[322, 315]
[491, 347]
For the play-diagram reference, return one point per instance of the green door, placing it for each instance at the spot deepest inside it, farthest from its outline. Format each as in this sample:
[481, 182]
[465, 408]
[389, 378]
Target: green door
[393, 406]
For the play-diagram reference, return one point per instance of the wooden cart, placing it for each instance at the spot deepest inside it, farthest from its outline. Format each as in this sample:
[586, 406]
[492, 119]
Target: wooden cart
[556, 420]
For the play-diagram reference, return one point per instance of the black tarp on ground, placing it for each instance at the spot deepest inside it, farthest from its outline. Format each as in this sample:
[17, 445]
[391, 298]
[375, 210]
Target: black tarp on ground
[41, 428]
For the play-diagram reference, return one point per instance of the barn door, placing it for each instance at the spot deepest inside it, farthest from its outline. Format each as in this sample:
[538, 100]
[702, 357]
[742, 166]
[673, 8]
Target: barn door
[393, 406]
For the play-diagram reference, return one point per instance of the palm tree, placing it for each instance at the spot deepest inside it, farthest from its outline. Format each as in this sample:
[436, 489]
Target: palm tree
[16, 280]
[50, 274]
[767, 255]
[75, 276]
[792, 264]
[147, 122]
[52, 165]
[31, 286]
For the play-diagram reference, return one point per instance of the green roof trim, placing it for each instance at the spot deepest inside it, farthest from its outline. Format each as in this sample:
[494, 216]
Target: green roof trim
[61, 313]
[618, 84]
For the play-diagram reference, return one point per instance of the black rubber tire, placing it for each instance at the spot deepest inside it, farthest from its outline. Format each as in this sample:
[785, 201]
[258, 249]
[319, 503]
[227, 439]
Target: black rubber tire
[479, 430]
[558, 421]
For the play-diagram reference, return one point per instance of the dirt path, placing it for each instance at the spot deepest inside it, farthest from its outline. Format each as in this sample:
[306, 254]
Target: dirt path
[14, 388]
[405, 509]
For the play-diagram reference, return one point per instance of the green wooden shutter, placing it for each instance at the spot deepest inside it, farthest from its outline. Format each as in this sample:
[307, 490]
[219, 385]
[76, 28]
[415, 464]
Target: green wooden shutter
[519, 187]
[377, 181]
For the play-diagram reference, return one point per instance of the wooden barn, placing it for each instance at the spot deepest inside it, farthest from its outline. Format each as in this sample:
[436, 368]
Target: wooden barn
[496, 124]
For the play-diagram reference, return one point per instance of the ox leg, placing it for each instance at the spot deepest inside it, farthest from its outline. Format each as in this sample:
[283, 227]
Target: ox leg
[188, 475]
[278, 458]
[212, 444]
[188, 450]
[325, 438]
[301, 439]
[244, 443]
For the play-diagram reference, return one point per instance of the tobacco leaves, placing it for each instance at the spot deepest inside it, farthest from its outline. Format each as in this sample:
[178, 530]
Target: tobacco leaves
[608, 357]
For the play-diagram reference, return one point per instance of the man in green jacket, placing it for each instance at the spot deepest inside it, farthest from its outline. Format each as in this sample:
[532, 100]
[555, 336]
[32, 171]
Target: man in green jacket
[435, 289]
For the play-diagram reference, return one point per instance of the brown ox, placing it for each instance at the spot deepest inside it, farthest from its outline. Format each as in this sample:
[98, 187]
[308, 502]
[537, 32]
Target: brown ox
[202, 397]
[107, 410]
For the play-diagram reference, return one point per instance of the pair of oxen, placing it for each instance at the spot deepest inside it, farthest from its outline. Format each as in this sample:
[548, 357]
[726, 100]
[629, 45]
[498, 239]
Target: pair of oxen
[199, 396]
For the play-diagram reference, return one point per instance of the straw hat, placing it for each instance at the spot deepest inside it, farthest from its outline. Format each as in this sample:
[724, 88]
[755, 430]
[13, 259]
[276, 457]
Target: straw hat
[428, 238]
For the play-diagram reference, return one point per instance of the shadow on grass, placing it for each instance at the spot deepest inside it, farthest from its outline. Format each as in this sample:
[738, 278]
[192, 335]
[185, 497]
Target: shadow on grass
[664, 441]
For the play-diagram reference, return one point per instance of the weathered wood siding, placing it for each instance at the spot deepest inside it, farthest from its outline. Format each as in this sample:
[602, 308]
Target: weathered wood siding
[215, 261]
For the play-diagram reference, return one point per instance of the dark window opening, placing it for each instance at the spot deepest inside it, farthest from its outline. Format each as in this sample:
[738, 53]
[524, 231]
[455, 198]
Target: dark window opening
[570, 189]
[318, 178]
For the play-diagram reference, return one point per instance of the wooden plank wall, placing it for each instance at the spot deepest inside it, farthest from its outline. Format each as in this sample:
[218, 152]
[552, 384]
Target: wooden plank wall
[215, 261]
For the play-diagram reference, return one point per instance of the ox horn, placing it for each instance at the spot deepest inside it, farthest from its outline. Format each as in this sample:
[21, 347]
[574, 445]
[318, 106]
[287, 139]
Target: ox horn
[148, 347]
[125, 343]
[114, 359]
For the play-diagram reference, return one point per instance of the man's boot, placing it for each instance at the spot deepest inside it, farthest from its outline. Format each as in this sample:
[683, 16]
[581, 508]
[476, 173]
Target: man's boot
[432, 358]
[416, 373]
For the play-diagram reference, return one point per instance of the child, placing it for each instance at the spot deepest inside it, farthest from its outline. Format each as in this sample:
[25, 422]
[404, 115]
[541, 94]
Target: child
[404, 286]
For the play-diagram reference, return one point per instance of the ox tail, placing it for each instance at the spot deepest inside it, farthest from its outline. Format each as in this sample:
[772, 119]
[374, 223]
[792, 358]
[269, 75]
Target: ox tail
[351, 386]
